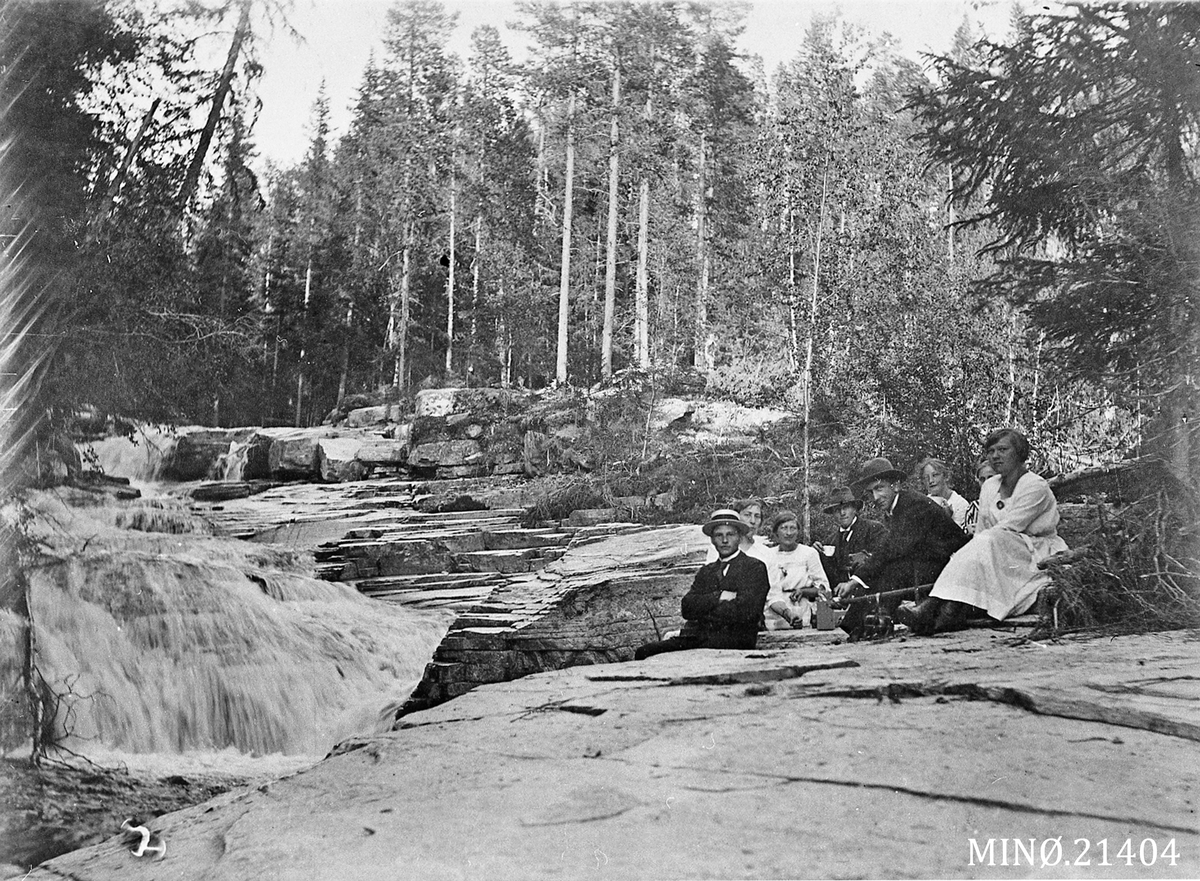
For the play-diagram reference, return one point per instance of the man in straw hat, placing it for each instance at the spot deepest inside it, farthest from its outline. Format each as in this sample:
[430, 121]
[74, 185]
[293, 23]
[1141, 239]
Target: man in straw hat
[921, 536]
[856, 538]
[725, 603]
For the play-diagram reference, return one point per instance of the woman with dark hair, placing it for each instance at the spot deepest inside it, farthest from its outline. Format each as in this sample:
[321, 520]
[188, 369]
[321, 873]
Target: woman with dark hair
[997, 570]
[796, 574]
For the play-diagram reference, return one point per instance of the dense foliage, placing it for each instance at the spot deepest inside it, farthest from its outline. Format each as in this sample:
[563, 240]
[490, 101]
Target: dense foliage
[637, 193]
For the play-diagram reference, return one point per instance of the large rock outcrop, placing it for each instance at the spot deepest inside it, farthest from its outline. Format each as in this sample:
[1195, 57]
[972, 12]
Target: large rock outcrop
[698, 764]
[606, 596]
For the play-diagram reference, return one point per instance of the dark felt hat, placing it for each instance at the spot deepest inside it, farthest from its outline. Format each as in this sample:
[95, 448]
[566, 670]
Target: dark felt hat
[725, 517]
[878, 469]
[842, 495]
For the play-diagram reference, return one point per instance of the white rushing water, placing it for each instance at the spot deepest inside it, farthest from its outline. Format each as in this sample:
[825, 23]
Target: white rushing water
[139, 458]
[174, 644]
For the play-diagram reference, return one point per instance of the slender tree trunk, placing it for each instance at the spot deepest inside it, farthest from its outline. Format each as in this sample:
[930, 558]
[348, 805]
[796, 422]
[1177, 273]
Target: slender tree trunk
[641, 321]
[564, 284]
[793, 294]
[700, 355]
[343, 380]
[950, 213]
[192, 178]
[114, 187]
[401, 366]
[345, 372]
[503, 345]
[610, 265]
[808, 356]
[541, 199]
[308, 273]
[450, 280]
[473, 330]
[1010, 406]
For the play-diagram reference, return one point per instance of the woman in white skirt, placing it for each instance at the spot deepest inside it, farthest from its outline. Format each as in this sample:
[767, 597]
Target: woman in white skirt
[997, 570]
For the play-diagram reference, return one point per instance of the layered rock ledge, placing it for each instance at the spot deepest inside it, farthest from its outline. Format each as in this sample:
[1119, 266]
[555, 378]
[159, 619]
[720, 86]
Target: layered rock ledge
[799, 761]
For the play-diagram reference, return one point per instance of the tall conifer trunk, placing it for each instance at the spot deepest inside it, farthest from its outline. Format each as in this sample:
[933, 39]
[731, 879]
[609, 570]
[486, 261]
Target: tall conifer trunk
[192, 178]
[564, 284]
[808, 357]
[450, 279]
[700, 354]
[610, 264]
[641, 321]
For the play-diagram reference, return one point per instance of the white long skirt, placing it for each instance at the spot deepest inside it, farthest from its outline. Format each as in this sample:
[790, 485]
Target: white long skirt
[997, 572]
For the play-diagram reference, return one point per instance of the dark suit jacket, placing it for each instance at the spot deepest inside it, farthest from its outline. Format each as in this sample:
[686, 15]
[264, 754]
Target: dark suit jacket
[865, 535]
[736, 619]
[921, 536]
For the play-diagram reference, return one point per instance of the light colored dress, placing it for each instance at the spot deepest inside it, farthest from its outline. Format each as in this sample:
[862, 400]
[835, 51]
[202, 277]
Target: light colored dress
[789, 571]
[997, 569]
[957, 507]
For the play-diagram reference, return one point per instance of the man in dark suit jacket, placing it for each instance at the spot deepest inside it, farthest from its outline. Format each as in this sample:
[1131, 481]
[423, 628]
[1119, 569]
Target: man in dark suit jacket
[725, 603]
[856, 537]
[921, 536]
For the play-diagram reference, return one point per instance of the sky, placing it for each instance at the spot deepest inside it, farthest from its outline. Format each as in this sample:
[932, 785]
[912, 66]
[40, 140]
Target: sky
[340, 35]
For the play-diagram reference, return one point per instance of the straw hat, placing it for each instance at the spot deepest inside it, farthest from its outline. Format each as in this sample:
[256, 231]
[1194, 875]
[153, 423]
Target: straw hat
[725, 517]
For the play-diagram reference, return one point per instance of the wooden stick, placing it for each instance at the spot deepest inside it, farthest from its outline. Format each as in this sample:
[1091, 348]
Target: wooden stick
[916, 593]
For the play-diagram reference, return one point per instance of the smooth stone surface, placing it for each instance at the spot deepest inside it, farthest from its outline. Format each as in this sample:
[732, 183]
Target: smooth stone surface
[774, 763]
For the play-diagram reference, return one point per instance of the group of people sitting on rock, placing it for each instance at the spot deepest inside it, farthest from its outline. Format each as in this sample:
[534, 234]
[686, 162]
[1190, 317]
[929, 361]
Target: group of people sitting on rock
[970, 559]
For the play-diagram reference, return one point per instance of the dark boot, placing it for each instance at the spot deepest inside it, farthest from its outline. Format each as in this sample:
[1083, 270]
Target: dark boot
[920, 620]
[952, 616]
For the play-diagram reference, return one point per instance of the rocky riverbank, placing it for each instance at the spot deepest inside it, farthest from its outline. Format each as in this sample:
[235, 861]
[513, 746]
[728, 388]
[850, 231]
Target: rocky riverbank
[56, 807]
[905, 758]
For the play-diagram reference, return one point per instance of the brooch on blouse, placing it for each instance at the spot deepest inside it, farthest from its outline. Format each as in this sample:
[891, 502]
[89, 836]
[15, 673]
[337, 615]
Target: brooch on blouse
[999, 503]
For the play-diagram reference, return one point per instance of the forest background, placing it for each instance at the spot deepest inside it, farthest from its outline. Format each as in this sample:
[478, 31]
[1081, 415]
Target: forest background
[904, 255]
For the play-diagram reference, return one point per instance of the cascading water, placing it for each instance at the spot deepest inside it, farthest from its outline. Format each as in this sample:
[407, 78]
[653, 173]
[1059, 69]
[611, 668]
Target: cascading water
[232, 465]
[139, 458]
[159, 645]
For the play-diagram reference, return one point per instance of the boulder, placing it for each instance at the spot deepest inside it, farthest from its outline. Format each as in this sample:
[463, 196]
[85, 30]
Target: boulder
[435, 402]
[443, 454]
[294, 456]
[454, 472]
[337, 459]
[195, 454]
[674, 412]
[444, 401]
[722, 417]
[220, 491]
[383, 452]
[365, 416]
[592, 516]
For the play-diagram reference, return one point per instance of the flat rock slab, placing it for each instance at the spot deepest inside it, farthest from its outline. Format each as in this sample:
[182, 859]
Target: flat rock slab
[904, 758]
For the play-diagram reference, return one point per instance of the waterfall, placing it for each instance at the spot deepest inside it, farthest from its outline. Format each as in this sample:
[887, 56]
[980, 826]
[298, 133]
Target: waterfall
[159, 645]
[139, 458]
[232, 464]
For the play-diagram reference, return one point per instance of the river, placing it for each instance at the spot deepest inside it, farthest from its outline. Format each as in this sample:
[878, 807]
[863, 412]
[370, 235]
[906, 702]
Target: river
[173, 648]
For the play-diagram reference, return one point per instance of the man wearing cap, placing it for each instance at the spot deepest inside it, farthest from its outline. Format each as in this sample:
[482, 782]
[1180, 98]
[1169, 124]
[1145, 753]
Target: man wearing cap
[921, 536]
[857, 536]
[723, 607]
